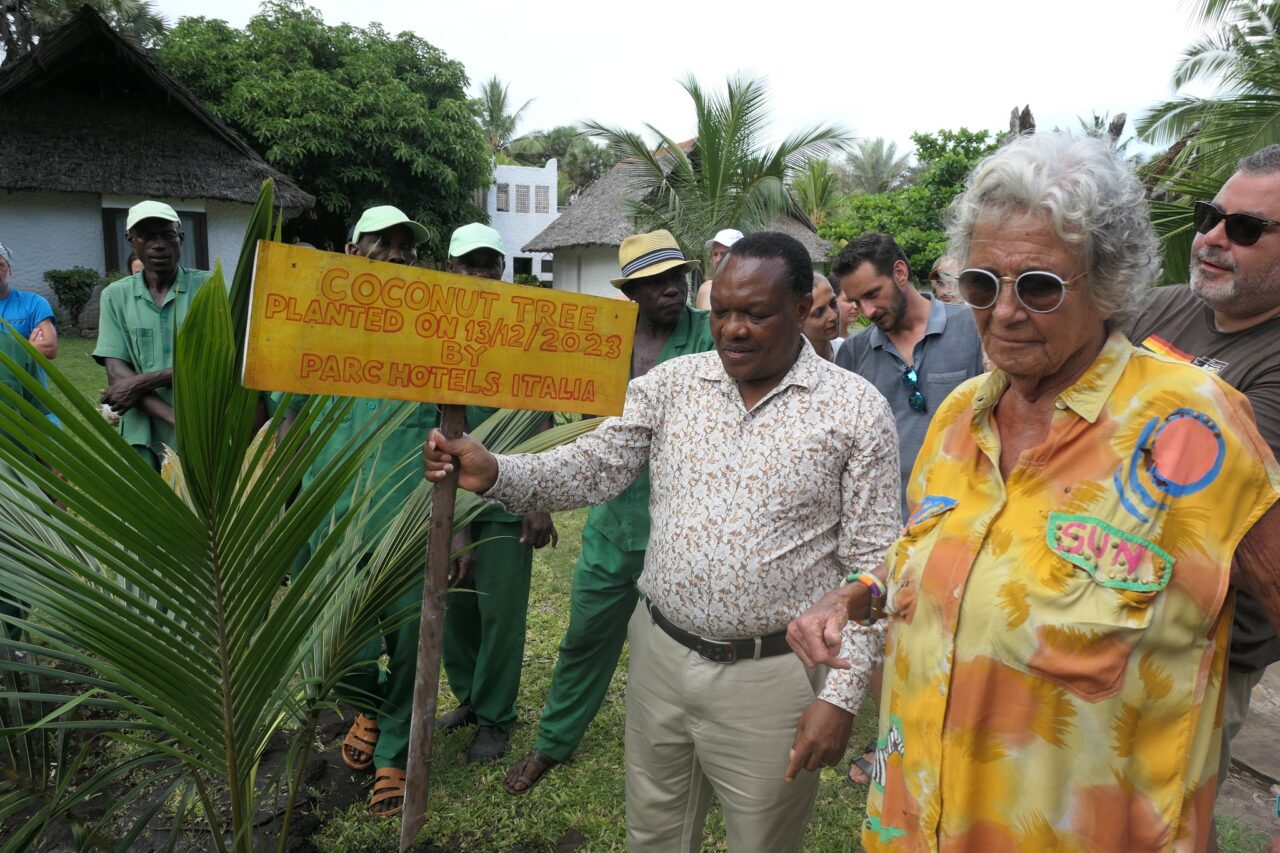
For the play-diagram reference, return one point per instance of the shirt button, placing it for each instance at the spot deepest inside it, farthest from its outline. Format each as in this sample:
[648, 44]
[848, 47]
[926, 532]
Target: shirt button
[1058, 404]
[956, 592]
[166, 349]
[942, 689]
[372, 404]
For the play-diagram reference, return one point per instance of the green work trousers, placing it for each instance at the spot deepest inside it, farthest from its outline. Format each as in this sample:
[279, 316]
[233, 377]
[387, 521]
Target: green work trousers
[484, 625]
[604, 595]
[388, 695]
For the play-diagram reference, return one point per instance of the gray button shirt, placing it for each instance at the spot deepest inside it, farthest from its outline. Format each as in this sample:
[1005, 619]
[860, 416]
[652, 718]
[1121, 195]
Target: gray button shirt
[949, 353]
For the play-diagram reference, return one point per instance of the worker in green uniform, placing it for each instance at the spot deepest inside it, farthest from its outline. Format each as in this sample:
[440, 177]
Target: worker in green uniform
[138, 326]
[484, 627]
[616, 533]
[380, 740]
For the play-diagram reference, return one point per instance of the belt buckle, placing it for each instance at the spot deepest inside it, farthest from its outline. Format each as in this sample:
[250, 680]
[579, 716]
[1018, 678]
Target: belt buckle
[716, 651]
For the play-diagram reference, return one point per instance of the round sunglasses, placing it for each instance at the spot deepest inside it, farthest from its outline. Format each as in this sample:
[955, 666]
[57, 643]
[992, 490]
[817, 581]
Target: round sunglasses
[1038, 291]
[1242, 229]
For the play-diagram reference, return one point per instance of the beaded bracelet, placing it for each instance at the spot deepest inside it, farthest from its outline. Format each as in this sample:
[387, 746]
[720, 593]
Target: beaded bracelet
[868, 580]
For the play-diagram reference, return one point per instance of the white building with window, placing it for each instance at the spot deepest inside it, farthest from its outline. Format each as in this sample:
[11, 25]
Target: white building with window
[521, 204]
[79, 153]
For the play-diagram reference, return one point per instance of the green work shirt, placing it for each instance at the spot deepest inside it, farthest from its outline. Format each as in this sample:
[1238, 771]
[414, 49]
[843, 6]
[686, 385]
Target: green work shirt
[624, 520]
[410, 435]
[477, 415]
[132, 328]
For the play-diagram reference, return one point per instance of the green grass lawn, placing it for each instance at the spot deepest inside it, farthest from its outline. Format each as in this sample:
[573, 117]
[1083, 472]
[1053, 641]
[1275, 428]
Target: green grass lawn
[75, 360]
[581, 804]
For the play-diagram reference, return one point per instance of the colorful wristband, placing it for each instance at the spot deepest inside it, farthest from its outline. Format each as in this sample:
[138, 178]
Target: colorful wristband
[872, 583]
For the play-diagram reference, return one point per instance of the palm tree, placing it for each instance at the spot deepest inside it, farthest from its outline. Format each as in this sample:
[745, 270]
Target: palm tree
[727, 177]
[1243, 56]
[816, 190]
[874, 166]
[160, 599]
[1209, 135]
[24, 22]
[498, 120]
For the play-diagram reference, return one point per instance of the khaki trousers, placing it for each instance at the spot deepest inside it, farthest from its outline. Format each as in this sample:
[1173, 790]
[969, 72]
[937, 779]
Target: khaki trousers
[695, 726]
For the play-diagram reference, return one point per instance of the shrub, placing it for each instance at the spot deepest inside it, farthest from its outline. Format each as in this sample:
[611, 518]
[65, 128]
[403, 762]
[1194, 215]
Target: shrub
[73, 288]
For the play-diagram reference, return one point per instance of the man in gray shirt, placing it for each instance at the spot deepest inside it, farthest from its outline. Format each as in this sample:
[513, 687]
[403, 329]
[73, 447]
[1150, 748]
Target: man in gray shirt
[917, 350]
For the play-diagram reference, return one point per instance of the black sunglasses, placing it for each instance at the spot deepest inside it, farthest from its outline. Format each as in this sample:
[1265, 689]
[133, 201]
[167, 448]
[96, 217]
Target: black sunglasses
[915, 397]
[1037, 290]
[1242, 228]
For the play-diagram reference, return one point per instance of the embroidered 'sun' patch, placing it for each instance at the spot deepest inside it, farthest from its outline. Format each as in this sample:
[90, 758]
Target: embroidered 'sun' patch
[1113, 558]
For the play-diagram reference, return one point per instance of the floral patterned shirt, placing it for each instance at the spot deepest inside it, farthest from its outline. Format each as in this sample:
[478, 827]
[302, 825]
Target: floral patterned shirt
[755, 514]
[1056, 641]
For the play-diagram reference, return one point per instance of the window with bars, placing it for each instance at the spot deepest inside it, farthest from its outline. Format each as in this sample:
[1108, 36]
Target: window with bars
[504, 197]
[522, 198]
[541, 199]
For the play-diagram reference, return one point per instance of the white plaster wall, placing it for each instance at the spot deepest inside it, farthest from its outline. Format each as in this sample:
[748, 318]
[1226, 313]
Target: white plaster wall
[50, 231]
[587, 270]
[517, 229]
[227, 221]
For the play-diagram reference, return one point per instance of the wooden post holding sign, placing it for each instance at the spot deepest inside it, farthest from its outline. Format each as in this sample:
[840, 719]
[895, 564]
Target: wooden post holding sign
[322, 323]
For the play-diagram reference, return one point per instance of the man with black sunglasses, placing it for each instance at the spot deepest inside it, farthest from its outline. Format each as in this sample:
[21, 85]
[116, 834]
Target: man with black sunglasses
[918, 348]
[1225, 321]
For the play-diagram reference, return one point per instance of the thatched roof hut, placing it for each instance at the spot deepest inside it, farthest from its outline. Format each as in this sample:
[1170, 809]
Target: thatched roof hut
[91, 125]
[90, 111]
[596, 218]
[586, 236]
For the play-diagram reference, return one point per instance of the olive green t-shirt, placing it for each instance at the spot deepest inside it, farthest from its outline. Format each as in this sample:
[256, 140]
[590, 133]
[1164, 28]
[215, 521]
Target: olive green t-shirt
[135, 330]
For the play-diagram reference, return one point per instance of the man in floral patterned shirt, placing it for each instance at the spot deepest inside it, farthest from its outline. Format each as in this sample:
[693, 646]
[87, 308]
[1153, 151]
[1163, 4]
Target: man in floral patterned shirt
[773, 473]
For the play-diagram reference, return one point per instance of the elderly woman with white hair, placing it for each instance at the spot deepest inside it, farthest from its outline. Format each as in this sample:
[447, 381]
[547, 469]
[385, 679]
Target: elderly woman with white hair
[1059, 602]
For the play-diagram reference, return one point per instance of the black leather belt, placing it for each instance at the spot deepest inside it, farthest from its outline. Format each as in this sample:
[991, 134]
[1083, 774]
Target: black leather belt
[722, 651]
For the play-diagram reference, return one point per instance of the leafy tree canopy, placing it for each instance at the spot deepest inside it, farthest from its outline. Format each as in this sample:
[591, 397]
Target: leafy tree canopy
[913, 215]
[24, 22]
[356, 116]
[579, 160]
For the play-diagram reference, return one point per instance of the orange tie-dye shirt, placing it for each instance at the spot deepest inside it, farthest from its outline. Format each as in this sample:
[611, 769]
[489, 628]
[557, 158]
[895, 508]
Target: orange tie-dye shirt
[1056, 642]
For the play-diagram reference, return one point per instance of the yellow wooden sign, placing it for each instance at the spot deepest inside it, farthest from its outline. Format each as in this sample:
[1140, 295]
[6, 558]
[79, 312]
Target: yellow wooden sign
[324, 323]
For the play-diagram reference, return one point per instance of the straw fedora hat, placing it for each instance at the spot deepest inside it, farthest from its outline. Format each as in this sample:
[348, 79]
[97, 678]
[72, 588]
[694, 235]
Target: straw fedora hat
[642, 255]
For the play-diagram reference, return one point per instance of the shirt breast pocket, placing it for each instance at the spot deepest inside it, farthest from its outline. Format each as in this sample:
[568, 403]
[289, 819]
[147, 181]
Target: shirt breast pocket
[143, 343]
[908, 556]
[939, 385]
[1087, 599]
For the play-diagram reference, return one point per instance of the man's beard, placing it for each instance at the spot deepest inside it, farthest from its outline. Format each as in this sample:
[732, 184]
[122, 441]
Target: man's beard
[1240, 296]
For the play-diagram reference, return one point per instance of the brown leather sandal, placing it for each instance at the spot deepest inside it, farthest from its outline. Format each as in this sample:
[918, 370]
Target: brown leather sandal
[361, 738]
[388, 784]
[528, 772]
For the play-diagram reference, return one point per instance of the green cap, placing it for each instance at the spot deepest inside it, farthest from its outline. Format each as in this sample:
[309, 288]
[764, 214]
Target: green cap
[383, 217]
[150, 210]
[468, 238]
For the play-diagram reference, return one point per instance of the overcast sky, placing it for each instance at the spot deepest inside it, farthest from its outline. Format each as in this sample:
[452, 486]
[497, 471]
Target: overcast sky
[883, 68]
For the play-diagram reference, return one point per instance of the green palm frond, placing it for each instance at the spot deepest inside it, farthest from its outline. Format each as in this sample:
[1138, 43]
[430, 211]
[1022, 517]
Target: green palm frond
[169, 607]
[729, 177]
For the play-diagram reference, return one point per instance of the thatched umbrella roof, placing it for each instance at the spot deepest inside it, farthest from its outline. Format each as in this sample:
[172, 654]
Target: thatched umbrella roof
[596, 218]
[797, 225]
[89, 111]
[599, 218]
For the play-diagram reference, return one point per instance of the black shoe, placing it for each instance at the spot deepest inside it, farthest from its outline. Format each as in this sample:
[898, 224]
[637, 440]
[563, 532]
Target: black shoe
[489, 743]
[463, 715]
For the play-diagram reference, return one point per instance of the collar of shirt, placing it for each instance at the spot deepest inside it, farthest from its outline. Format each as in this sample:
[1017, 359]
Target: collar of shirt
[179, 285]
[803, 374]
[1086, 396]
[935, 326]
